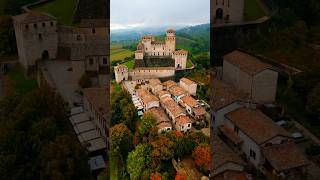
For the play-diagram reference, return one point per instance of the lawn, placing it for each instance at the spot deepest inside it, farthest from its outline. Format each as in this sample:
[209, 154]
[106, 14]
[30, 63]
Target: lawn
[18, 83]
[252, 10]
[129, 64]
[120, 54]
[62, 9]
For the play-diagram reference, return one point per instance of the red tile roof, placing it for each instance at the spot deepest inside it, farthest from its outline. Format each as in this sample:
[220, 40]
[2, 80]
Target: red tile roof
[190, 101]
[256, 125]
[187, 81]
[182, 120]
[177, 91]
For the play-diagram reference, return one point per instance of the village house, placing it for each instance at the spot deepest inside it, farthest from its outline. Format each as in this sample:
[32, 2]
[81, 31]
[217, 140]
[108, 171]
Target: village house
[225, 163]
[95, 105]
[162, 121]
[171, 108]
[183, 123]
[189, 86]
[155, 85]
[168, 84]
[177, 93]
[224, 99]
[163, 93]
[258, 136]
[148, 100]
[248, 74]
[193, 108]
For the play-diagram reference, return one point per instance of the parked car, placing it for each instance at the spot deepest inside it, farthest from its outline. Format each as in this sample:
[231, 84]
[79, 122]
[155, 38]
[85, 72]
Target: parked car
[298, 137]
[282, 123]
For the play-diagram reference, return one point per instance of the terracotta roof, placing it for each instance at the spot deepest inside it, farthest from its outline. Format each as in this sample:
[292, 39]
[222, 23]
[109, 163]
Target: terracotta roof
[34, 17]
[164, 125]
[169, 83]
[187, 81]
[177, 91]
[172, 106]
[159, 114]
[98, 98]
[246, 62]
[154, 82]
[222, 154]
[285, 156]
[190, 101]
[180, 52]
[90, 23]
[230, 134]
[224, 94]
[256, 125]
[182, 120]
[146, 96]
[199, 111]
[162, 92]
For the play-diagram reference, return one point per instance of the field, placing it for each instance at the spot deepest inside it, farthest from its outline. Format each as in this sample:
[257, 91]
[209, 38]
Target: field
[252, 10]
[62, 9]
[118, 53]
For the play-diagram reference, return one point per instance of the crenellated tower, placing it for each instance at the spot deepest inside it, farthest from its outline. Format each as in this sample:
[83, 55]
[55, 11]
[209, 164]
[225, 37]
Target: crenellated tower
[170, 42]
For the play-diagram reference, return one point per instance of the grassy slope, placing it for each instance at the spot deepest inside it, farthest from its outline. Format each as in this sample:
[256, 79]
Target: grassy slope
[18, 83]
[252, 10]
[118, 53]
[62, 9]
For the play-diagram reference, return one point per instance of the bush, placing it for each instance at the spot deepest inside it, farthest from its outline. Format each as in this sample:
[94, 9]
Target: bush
[84, 81]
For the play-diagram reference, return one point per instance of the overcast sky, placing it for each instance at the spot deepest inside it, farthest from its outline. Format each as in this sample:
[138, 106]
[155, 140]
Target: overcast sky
[139, 13]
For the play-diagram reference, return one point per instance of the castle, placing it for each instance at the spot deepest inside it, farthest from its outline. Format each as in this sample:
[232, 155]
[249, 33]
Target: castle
[227, 11]
[148, 48]
[40, 37]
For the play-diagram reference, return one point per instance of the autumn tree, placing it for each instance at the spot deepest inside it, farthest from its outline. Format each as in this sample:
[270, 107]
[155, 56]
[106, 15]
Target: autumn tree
[120, 140]
[148, 122]
[202, 157]
[162, 148]
[155, 176]
[138, 160]
[181, 175]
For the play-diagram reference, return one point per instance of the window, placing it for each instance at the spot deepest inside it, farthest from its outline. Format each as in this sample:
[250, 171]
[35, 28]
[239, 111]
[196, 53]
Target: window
[252, 154]
[27, 26]
[43, 24]
[188, 125]
[40, 36]
[236, 129]
[93, 30]
[90, 61]
[104, 61]
[35, 26]
[51, 23]
[79, 38]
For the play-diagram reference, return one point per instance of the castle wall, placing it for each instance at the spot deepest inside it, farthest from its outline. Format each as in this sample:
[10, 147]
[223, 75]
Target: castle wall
[232, 10]
[146, 73]
[180, 61]
[158, 49]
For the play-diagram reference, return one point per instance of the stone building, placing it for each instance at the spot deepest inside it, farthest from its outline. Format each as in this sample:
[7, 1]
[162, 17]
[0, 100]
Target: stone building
[225, 11]
[36, 36]
[248, 74]
[189, 86]
[40, 37]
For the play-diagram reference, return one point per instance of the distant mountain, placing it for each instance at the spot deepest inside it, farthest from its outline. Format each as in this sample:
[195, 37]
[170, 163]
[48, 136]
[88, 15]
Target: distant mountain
[195, 32]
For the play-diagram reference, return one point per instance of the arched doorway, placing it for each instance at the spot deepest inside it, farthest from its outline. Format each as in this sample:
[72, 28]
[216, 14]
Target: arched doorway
[45, 55]
[219, 13]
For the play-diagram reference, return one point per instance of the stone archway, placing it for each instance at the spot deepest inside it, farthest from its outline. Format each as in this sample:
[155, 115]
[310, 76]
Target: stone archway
[45, 55]
[219, 13]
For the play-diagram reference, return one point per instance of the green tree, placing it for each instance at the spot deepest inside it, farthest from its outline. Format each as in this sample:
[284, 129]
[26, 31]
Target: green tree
[120, 140]
[8, 44]
[138, 161]
[148, 122]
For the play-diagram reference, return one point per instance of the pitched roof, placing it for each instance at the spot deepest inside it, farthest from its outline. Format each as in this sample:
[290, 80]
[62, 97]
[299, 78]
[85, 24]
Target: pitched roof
[177, 91]
[162, 92]
[187, 81]
[169, 83]
[159, 114]
[223, 94]
[199, 111]
[98, 98]
[222, 154]
[33, 17]
[146, 96]
[180, 52]
[246, 62]
[190, 101]
[182, 120]
[256, 125]
[154, 82]
[285, 156]
[172, 106]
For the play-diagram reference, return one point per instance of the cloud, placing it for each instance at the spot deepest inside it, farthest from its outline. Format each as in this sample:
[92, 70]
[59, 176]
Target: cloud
[159, 12]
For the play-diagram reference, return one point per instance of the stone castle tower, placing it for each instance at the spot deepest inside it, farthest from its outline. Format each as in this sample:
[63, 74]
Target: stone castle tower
[224, 11]
[36, 36]
[121, 73]
[170, 41]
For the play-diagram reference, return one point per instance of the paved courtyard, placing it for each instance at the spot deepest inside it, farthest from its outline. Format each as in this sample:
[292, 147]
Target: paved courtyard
[66, 82]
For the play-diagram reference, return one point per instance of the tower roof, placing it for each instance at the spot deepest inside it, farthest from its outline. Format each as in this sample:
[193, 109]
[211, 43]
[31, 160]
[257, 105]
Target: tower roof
[33, 17]
[171, 31]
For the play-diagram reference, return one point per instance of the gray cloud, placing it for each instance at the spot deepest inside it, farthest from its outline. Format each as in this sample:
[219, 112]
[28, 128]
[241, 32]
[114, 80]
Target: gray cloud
[159, 12]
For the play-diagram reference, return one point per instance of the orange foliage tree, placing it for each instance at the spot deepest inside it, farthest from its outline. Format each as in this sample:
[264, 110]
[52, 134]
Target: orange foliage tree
[202, 156]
